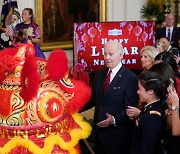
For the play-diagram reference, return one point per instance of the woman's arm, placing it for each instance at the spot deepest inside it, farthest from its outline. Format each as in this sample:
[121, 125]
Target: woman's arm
[175, 123]
[37, 37]
[173, 101]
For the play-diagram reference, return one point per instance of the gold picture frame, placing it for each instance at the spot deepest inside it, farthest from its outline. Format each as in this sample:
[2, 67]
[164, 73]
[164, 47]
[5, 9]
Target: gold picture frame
[53, 43]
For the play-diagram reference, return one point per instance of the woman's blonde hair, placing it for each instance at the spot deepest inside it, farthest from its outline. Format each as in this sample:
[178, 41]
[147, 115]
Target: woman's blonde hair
[151, 51]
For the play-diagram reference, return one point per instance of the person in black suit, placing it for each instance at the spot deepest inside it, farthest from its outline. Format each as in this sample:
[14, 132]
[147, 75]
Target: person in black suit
[111, 125]
[150, 123]
[171, 32]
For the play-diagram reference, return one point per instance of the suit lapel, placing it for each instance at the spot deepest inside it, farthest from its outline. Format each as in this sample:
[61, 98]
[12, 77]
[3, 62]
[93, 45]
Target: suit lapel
[164, 32]
[116, 79]
[173, 35]
[101, 84]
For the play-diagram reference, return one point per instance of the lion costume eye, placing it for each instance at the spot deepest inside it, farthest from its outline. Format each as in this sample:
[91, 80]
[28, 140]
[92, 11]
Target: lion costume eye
[50, 106]
[54, 107]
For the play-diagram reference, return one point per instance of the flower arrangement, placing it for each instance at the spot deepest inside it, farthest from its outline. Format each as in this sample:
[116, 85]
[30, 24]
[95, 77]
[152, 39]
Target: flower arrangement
[154, 10]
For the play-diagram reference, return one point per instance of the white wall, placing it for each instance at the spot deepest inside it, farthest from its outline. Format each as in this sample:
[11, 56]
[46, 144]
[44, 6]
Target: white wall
[26, 4]
[124, 10]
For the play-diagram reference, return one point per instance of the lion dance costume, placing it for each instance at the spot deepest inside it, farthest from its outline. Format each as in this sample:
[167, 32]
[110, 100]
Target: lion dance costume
[39, 104]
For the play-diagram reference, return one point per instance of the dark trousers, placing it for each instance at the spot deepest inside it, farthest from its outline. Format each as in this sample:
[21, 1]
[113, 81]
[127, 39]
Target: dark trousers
[101, 148]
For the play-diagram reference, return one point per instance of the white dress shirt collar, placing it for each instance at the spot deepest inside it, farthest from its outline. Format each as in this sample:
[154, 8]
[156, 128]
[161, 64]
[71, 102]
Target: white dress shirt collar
[171, 28]
[151, 103]
[114, 71]
[169, 48]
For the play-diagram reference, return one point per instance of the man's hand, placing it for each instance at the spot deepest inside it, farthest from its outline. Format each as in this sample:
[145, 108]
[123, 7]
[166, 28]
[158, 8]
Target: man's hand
[109, 121]
[177, 58]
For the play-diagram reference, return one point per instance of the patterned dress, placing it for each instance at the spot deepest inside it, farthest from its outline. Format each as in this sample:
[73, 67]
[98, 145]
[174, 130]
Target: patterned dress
[31, 31]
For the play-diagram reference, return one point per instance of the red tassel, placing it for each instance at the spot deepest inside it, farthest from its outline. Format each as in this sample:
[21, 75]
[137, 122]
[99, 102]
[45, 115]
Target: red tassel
[57, 65]
[82, 94]
[29, 73]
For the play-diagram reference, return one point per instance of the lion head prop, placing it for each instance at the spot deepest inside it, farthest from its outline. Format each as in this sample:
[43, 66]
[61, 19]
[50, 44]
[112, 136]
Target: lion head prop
[39, 103]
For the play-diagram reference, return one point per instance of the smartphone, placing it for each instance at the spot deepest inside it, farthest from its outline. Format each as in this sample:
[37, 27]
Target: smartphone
[159, 47]
[171, 83]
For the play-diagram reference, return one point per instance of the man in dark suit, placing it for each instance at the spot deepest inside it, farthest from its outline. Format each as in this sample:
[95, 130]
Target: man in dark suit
[171, 32]
[112, 127]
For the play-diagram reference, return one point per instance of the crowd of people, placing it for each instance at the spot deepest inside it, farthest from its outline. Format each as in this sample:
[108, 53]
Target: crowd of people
[149, 124]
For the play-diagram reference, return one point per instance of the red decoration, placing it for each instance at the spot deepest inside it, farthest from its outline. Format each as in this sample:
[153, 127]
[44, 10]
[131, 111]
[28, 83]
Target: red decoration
[92, 32]
[137, 31]
[37, 109]
[30, 74]
[85, 38]
[144, 37]
[5, 107]
[59, 70]
[82, 94]
[80, 74]
[129, 27]
[79, 67]
[100, 28]
[8, 63]
[66, 137]
[54, 107]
